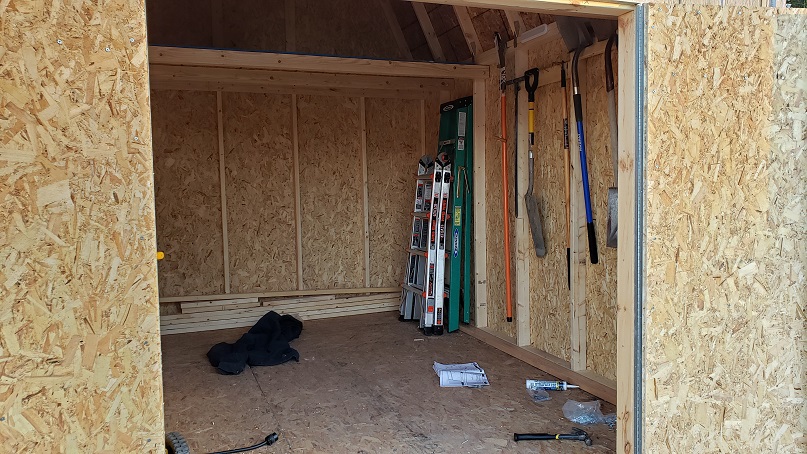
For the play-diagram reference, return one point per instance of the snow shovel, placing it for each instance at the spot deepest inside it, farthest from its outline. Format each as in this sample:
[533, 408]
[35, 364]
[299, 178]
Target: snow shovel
[613, 205]
[578, 113]
[533, 213]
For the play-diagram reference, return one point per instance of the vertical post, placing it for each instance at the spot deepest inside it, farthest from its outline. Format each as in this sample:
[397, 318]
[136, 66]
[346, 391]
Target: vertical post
[298, 217]
[579, 240]
[480, 215]
[365, 193]
[626, 235]
[524, 250]
[223, 193]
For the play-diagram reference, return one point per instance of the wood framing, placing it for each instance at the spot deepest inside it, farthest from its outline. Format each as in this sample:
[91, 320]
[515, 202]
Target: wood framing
[592, 383]
[604, 8]
[178, 56]
[480, 211]
[330, 291]
[626, 252]
[298, 217]
[364, 195]
[515, 23]
[468, 30]
[223, 192]
[428, 31]
[395, 28]
[491, 57]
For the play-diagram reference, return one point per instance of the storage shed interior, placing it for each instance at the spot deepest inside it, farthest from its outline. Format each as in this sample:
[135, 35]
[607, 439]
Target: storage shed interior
[278, 184]
[268, 150]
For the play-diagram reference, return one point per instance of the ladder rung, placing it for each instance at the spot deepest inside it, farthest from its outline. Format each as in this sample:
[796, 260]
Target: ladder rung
[419, 252]
[412, 288]
[425, 176]
[420, 214]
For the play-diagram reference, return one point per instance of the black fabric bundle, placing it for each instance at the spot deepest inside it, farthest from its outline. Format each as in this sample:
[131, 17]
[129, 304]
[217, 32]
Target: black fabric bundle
[266, 344]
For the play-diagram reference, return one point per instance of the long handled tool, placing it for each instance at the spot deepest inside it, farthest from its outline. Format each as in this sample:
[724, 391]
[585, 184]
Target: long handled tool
[502, 46]
[577, 434]
[581, 140]
[533, 212]
[613, 199]
[567, 158]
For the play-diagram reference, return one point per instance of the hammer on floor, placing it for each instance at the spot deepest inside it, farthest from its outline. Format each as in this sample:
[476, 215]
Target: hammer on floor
[577, 434]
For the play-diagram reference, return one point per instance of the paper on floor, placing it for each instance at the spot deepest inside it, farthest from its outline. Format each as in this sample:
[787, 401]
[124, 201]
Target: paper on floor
[456, 375]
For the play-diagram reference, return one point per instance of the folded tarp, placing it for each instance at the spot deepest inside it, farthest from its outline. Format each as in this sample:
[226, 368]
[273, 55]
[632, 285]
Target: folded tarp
[266, 344]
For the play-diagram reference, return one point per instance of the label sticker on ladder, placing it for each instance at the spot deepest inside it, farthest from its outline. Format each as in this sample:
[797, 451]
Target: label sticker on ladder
[461, 120]
[461, 143]
[455, 246]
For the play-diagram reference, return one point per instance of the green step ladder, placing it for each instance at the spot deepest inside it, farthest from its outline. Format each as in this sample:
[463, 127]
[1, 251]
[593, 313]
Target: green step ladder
[456, 138]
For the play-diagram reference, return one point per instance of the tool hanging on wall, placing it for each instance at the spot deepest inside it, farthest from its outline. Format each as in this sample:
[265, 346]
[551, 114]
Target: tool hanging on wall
[613, 200]
[502, 47]
[581, 141]
[516, 88]
[567, 172]
[533, 212]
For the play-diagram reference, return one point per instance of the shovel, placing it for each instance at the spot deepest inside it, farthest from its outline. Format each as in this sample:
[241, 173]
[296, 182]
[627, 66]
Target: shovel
[613, 205]
[533, 213]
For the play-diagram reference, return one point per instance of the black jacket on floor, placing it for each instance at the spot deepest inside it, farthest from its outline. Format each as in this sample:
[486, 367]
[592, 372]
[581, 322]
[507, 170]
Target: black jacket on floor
[266, 344]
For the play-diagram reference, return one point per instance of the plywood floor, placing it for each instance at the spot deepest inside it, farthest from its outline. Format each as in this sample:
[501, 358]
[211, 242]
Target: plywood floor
[364, 384]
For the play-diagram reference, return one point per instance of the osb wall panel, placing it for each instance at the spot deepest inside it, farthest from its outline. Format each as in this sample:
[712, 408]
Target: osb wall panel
[331, 192]
[600, 278]
[259, 169]
[393, 150]
[724, 325]
[254, 24]
[497, 311]
[549, 293]
[344, 27]
[79, 338]
[338, 27]
[188, 194]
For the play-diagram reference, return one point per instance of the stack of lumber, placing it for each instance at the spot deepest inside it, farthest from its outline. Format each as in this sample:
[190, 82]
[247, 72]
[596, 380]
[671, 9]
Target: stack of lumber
[244, 312]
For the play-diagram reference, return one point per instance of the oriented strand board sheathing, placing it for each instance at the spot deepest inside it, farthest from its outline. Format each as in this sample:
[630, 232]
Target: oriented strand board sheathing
[186, 177]
[254, 25]
[549, 292]
[344, 27]
[497, 315]
[600, 278]
[393, 150]
[725, 253]
[79, 338]
[331, 192]
[180, 22]
[260, 191]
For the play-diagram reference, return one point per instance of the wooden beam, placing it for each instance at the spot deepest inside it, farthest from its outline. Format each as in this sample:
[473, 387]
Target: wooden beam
[365, 194]
[395, 28]
[428, 31]
[179, 56]
[515, 23]
[480, 213]
[579, 240]
[626, 234]
[468, 30]
[591, 8]
[223, 193]
[293, 79]
[252, 88]
[298, 216]
[587, 381]
[291, 26]
[551, 75]
[327, 291]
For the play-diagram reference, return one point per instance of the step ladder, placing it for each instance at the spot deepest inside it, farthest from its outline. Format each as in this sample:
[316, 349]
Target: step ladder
[441, 220]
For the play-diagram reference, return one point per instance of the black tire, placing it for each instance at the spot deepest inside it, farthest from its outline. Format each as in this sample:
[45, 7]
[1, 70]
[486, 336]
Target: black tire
[176, 444]
[438, 330]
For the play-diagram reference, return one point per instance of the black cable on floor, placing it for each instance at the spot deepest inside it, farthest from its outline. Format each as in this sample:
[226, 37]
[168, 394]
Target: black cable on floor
[268, 441]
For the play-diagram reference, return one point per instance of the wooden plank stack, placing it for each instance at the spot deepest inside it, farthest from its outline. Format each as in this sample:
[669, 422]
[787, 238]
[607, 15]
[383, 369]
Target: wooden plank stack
[244, 312]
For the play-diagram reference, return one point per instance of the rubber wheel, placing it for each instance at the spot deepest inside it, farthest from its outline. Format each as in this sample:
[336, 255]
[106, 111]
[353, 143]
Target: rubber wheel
[176, 444]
